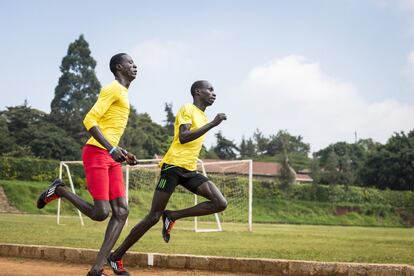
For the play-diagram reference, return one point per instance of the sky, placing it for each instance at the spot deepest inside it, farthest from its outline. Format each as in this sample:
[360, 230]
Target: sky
[327, 70]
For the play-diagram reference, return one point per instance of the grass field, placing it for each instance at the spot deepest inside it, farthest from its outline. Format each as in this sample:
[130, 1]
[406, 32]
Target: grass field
[23, 195]
[295, 242]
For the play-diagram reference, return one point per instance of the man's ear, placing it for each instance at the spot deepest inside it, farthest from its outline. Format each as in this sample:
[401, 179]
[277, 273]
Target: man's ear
[118, 67]
[197, 91]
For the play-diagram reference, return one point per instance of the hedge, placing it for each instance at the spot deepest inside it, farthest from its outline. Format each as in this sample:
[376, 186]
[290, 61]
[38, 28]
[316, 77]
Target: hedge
[35, 169]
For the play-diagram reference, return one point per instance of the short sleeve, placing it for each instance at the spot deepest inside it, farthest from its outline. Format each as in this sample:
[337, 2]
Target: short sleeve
[184, 116]
[105, 99]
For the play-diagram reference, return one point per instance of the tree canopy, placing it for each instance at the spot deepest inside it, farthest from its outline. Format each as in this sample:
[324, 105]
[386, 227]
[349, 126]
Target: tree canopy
[77, 90]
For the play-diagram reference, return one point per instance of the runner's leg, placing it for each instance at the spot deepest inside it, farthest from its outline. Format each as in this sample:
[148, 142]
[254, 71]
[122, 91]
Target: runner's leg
[216, 203]
[159, 202]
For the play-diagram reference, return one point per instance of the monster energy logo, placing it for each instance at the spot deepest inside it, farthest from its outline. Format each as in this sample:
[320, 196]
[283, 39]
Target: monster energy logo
[162, 182]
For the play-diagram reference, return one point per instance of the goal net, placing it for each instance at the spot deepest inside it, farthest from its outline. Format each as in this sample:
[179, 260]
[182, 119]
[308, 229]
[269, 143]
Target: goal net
[233, 178]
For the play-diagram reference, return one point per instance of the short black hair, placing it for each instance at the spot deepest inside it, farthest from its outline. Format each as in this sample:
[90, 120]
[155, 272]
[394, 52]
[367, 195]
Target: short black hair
[197, 85]
[116, 59]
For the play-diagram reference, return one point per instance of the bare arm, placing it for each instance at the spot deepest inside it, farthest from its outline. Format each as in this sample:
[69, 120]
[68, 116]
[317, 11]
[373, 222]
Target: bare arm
[116, 154]
[186, 135]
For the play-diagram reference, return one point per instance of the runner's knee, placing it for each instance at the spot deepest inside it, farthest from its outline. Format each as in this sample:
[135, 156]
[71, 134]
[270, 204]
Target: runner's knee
[153, 218]
[100, 215]
[121, 213]
[100, 212]
[221, 204]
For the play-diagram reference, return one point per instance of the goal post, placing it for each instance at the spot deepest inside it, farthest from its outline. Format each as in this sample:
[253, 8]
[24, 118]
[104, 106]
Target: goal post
[66, 164]
[233, 178]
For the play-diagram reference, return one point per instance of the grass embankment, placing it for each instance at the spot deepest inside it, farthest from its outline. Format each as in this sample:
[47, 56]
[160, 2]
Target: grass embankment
[23, 195]
[295, 242]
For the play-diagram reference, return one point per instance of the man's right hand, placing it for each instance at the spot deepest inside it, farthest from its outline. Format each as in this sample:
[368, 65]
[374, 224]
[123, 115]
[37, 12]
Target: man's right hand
[220, 117]
[117, 154]
[131, 159]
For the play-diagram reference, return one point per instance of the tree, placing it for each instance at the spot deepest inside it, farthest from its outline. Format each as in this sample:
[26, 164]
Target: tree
[208, 154]
[21, 116]
[51, 142]
[261, 142]
[36, 136]
[350, 159]
[247, 148]
[170, 120]
[330, 174]
[8, 142]
[293, 144]
[143, 137]
[225, 149]
[287, 173]
[315, 171]
[76, 91]
[392, 165]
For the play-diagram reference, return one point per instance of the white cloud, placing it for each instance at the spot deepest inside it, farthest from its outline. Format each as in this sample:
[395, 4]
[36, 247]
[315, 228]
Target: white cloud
[294, 93]
[407, 5]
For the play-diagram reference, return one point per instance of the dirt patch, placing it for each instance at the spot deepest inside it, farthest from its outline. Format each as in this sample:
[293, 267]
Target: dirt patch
[29, 267]
[5, 206]
[343, 210]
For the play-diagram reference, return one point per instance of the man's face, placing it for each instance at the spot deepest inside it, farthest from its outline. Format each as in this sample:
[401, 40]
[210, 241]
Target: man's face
[128, 67]
[206, 93]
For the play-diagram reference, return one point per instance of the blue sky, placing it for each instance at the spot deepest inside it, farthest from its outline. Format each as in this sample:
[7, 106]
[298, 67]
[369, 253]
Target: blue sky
[320, 69]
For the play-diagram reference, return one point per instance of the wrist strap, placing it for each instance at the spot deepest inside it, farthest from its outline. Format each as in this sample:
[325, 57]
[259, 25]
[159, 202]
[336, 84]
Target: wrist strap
[112, 150]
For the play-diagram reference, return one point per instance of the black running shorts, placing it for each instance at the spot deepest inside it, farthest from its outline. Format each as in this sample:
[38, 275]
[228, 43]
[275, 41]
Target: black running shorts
[172, 175]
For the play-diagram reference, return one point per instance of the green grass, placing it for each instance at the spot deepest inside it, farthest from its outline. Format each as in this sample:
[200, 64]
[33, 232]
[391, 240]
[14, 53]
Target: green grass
[318, 213]
[295, 242]
[23, 195]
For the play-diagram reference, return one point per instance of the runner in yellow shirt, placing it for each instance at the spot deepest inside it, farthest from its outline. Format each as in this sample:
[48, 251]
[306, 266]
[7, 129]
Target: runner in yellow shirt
[106, 122]
[178, 167]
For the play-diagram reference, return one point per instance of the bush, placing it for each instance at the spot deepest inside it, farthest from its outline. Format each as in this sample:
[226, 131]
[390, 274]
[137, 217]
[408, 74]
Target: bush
[28, 169]
[352, 194]
[35, 169]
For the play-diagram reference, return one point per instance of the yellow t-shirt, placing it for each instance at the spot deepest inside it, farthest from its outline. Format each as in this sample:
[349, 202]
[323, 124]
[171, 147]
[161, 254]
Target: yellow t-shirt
[109, 113]
[185, 155]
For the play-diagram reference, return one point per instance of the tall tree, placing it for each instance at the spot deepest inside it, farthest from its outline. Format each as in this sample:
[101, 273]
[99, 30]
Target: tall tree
[261, 142]
[170, 120]
[76, 91]
[287, 173]
[225, 149]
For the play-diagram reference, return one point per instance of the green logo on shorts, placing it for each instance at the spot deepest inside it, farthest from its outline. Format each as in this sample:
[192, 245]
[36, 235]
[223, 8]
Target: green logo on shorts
[162, 182]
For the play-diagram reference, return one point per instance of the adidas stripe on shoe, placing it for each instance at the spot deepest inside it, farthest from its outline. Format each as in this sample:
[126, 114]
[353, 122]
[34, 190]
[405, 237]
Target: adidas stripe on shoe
[49, 194]
[117, 266]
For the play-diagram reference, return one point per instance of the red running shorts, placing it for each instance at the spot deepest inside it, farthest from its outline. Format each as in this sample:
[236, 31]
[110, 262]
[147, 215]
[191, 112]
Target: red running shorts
[103, 175]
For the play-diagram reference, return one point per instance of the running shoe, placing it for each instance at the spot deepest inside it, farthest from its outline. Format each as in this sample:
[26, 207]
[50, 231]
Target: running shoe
[49, 194]
[117, 266]
[168, 224]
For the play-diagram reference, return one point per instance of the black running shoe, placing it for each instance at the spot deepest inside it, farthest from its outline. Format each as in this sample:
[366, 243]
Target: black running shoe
[49, 194]
[94, 273]
[117, 266]
[167, 226]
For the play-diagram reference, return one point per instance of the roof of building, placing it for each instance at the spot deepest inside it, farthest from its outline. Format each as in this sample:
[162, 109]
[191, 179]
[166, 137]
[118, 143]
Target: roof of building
[267, 169]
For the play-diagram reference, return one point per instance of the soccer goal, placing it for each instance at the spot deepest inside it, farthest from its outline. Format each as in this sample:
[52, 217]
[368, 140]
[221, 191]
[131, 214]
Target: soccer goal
[233, 178]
